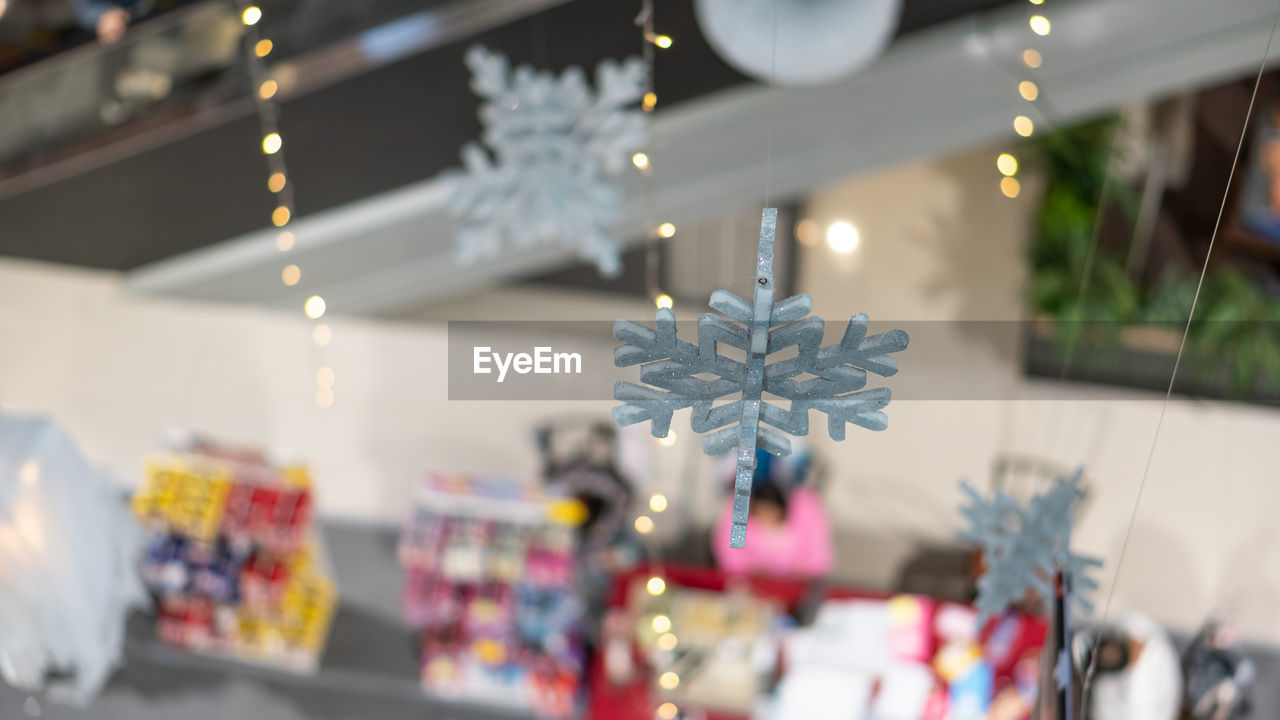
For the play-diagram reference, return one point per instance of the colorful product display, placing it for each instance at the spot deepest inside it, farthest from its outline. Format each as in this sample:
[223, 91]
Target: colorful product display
[705, 643]
[233, 555]
[489, 581]
[706, 649]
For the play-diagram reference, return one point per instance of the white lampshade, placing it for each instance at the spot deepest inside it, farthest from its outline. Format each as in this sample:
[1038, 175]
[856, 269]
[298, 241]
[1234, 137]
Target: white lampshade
[814, 41]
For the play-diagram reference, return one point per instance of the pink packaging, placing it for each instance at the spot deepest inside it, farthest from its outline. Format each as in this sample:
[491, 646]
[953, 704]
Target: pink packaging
[911, 633]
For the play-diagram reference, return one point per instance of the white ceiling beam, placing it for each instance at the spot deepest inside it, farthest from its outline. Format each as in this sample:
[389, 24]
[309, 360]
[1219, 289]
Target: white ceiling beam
[934, 92]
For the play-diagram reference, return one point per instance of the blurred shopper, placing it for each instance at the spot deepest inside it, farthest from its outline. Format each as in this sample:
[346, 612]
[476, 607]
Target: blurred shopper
[1219, 677]
[109, 19]
[580, 460]
[788, 534]
[1136, 672]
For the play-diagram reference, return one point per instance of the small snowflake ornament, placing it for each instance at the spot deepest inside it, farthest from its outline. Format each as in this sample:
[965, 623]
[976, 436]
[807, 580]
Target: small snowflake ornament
[550, 146]
[674, 370]
[1026, 547]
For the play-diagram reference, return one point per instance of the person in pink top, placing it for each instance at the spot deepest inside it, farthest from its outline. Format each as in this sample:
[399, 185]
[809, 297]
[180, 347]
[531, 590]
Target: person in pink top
[788, 534]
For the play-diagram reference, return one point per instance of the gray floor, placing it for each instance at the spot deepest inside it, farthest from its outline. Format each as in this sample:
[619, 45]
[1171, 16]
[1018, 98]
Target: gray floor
[369, 670]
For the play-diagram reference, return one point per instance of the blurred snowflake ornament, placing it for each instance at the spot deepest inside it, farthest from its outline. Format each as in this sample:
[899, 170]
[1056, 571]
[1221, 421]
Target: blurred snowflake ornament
[674, 370]
[67, 549]
[1025, 547]
[550, 146]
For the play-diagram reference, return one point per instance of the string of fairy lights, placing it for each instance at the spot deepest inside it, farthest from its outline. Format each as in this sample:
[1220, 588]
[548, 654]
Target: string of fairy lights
[265, 89]
[1029, 91]
[655, 233]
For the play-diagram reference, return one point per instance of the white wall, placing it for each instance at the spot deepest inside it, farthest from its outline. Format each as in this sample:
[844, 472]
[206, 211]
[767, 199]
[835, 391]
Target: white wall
[938, 243]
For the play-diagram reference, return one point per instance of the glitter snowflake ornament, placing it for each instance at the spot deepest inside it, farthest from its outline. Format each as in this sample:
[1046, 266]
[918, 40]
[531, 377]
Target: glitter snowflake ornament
[674, 370]
[1025, 547]
[550, 146]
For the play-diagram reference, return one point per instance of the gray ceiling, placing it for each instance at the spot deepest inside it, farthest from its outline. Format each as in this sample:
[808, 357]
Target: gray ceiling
[186, 173]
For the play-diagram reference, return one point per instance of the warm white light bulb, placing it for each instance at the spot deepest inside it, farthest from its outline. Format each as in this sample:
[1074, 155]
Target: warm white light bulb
[314, 307]
[842, 237]
[321, 335]
[325, 377]
[1007, 164]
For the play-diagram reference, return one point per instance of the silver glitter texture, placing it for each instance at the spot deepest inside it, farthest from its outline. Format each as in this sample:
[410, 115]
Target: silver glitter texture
[1026, 546]
[678, 374]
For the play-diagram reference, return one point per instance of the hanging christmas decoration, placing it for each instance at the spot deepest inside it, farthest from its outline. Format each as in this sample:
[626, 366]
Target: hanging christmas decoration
[1026, 547]
[798, 42]
[549, 148]
[673, 370]
[67, 546]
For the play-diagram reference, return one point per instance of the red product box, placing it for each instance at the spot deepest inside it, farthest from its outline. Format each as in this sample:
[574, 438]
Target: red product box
[235, 519]
[186, 621]
[291, 515]
[262, 510]
[262, 582]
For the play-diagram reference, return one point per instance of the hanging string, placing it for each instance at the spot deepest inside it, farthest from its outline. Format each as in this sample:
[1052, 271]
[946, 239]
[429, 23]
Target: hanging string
[1077, 323]
[1194, 300]
[1041, 101]
[1186, 331]
[1007, 163]
[773, 104]
[644, 161]
[538, 40]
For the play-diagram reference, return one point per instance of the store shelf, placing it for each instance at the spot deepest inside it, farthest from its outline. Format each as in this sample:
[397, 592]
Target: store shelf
[369, 669]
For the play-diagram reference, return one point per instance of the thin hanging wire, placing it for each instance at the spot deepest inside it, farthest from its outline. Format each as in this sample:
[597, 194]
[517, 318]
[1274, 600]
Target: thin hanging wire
[1194, 300]
[652, 257]
[773, 106]
[1042, 105]
[538, 40]
[1186, 331]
